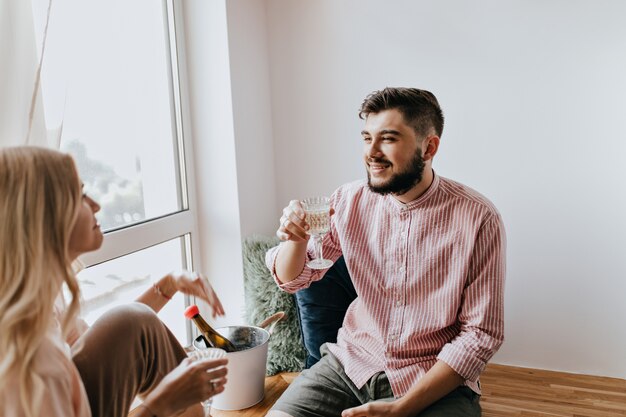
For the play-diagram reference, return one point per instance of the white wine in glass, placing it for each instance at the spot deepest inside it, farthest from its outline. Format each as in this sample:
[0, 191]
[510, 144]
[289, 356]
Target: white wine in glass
[317, 210]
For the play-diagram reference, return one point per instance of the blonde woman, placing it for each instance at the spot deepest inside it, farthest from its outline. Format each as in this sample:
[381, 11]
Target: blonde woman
[50, 363]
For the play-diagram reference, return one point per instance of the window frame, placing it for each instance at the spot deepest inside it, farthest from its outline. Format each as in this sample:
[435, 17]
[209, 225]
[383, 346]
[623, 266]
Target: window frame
[183, 223]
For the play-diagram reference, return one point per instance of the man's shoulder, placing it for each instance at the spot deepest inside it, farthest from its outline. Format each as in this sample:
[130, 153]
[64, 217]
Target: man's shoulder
[463, 192]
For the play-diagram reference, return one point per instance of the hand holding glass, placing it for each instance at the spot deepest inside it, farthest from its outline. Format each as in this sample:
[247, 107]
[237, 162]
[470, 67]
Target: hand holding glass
[208, 353]
[317, 210]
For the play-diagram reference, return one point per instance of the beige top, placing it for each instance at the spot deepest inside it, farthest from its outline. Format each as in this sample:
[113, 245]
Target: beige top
[64, 394]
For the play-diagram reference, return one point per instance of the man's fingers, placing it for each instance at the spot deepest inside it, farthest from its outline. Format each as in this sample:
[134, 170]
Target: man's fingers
[284, 222]
[293, 216]
[294, 229]
[355, 412]
[292, 224]
[297, 209]
[282, 235]
[290, 228]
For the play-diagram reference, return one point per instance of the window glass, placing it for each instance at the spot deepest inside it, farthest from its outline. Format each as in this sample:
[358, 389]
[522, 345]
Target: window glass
[107, 95]
[122, 280]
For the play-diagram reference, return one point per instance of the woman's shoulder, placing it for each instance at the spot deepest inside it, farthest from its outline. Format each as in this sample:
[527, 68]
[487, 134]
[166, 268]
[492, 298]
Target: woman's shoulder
[53, 359]
[63, 393]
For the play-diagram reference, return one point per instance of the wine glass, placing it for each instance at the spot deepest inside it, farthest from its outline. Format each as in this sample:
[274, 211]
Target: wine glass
[207, 353]
[317, 210]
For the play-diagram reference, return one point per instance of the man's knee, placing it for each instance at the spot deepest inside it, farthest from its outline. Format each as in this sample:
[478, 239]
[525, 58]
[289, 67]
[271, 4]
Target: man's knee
[462, 402]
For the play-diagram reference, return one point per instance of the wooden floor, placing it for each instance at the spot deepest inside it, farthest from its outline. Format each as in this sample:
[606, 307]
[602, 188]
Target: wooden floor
[509, 391]
[274, 386]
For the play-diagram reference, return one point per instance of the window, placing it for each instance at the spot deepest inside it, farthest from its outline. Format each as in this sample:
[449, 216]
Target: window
[111, 96]
[122, 279]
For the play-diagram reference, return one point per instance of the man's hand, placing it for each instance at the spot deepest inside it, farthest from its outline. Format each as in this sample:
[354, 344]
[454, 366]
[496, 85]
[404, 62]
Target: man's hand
[438, 382]
[376, 409]
[293, 225]
[292, 230]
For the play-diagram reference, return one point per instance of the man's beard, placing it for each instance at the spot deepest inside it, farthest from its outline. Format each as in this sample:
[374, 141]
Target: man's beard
[401, 182]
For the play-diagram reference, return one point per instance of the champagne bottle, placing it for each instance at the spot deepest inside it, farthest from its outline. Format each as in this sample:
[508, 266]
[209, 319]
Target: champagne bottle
[214, 338]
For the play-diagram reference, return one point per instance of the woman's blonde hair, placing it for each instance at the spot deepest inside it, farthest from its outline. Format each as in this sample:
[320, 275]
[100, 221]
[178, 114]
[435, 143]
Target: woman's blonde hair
[40, 195]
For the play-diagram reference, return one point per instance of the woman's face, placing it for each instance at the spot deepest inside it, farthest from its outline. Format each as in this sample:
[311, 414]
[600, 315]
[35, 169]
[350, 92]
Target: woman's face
[86, 235]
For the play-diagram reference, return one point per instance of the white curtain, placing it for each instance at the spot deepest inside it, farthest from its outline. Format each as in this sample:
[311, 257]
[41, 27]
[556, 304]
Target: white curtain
[22, 117]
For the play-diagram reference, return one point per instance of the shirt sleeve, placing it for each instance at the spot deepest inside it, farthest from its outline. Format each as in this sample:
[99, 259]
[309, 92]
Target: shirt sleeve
[306, 277]
[482, 313]
[332, 251]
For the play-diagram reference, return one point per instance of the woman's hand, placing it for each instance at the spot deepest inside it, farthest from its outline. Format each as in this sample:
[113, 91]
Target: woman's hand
[189, 383]
[194, 284]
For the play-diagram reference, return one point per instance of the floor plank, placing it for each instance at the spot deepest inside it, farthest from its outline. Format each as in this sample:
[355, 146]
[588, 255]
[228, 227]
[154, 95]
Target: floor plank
[274, 387]
[513, 391]
[509, 391]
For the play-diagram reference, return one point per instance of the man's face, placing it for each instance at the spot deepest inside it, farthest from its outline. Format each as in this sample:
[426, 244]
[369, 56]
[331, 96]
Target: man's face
[392, 151]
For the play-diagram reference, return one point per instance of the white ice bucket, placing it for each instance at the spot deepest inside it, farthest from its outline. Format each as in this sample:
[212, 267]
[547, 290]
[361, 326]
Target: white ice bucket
[247, 366]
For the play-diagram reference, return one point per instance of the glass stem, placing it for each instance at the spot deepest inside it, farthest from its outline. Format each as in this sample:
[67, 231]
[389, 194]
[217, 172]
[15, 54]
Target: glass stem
[318, 244]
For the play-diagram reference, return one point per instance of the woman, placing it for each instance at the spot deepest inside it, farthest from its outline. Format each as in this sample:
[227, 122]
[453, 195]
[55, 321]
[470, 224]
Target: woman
[46, 222]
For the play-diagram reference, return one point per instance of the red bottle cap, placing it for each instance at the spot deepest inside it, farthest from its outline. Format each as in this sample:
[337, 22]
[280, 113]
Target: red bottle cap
[192, 311]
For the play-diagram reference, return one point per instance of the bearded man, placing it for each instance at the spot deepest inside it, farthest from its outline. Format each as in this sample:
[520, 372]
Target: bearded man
[427, 258]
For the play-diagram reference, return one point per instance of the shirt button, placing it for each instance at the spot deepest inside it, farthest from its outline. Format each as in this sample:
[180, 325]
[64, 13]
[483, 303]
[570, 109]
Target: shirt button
[401, 270]
[394, 337]
[388, 355]
[399, 303]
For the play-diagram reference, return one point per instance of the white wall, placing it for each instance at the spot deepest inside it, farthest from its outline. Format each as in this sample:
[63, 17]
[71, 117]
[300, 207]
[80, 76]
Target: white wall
[206, 81]
[228, 85]
[534, 95]
[535, 99]
[249, 71]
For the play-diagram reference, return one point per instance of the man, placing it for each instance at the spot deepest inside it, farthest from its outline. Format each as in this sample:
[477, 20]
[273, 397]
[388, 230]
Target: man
[427, 258]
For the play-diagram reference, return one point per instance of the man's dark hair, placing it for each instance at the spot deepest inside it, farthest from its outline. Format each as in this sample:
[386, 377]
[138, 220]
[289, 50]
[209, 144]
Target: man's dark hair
[419, 108]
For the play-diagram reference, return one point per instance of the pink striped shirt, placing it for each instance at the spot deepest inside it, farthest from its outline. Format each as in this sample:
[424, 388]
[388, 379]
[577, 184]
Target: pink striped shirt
[429, 277]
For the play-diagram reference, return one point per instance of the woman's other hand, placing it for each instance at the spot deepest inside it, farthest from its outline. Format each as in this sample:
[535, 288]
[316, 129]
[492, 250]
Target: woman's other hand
[195, 284]
[189, 383]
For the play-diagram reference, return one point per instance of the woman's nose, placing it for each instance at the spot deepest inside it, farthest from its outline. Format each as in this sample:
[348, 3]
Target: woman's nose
[94, 205]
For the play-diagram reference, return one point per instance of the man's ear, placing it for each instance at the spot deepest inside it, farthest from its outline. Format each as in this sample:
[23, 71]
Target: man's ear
[430, 145]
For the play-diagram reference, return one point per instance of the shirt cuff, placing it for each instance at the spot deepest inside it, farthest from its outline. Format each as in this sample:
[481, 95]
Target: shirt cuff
[301, 281]
[462, 361]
